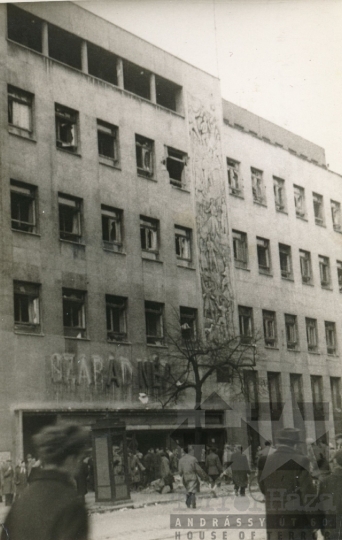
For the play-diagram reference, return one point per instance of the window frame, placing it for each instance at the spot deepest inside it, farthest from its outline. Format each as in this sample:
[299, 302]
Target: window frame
[330, 326]
[66, 236]
[324, 271]
[291, 327]
[150, 225]
[31, 292]
[116, 303]
[267, 252]
[258, 187]
[279, 194]
[69, 117]
[157, 309]
[305, 267]
[299, 207]
[28, 194]
[177, 157]
[246, 315]
[75, 297]
[270, 338]
[311, 332]
[23, 98]
[188, 323]
[113, 215]
[145, 146]
[240, 247]
[319, 216]
[336, 211]
[187, 235]
[234, 177]
[339, 275]
[284, 249]
[110, 132]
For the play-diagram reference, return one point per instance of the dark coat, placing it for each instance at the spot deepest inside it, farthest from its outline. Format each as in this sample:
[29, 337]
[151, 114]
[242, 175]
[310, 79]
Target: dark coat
[240, 469]
[8, 480]
[285, 481]
[20, 480]
[213, 464]
[49, 509]
[191, 473]
[330, 502]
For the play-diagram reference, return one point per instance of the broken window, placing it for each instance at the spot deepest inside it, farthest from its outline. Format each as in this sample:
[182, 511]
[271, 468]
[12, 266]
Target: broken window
[168, 94]
[339, 275]
[183, 243]
[107, 139]
[234, 180]
[285, 261]
[26, 307]
[240, 249]
[324, 270]
[136, 79]
[24, 28]
[64, 47]
[305, 266]
[336, 215]
[116, 307]
[102, 64]
[264, 258]
[279, 194]
[154, 323]
[149, 236]
[23, 207]
[144, 156]
[188, 317]
[258, 186]
[112, 220]
[299, 200]
[74, 313]
[270, 328]
[66, 128]
[175, 165]
[246, 324]
[20, 108]
[69, 218]
[330, 336]
[291, 332]
[318, 209]
[311, 334]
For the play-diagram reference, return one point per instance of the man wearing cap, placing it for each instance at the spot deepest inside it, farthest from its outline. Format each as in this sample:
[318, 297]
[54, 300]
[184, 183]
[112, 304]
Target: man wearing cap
[288, 488]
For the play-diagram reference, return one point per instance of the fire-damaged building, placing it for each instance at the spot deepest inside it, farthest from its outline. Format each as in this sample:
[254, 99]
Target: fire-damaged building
[133, 195]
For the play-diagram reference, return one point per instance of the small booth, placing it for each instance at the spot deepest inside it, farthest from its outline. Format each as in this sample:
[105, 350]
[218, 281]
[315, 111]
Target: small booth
[110, 461]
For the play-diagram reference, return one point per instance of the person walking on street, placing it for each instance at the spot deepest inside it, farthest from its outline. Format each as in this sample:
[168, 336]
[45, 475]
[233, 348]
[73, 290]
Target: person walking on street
[240, 471]
[49, 508]
[191, 472]
[8, 482]
[213, 465]
[20, 478]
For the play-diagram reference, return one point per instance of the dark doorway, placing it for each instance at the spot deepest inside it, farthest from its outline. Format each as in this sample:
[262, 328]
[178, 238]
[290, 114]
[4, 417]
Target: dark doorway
[32, 424]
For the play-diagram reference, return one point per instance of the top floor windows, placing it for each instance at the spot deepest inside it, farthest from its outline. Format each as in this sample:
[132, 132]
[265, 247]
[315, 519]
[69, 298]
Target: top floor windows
[136, 79]
[258, 186]
[175, 165]
[102, 64]
[19, 108]
[24, 28]
[64, 46]
[279, 194]
[107, 140]
[318, 209]
[168, 94]
[299, 200]
[234, 179]
[336, 215]
[66, 128]
[144, 156]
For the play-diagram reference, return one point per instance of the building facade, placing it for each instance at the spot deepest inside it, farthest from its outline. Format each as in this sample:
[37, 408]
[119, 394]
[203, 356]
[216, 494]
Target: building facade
[133, 196]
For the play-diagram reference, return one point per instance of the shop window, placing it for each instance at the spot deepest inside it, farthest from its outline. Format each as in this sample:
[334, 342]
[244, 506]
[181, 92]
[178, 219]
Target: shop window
[285, 261]
[246, 324]
[234, 178]
[258, 186]
[305, 266]
[270, 328]
[66, 128]
[324, 271]
[144, 156]
[335, 385]
[112, 228]
[188, 318]
[330, 337]
[116, 309]
[149, 237]
[336, 215]
[136, 79]
[154, 323]
[291, 329]
[64, 47]
[240, 249]
[24, 28]
[264, 258]
[299, 200]
[339, 275]
[279, 194]
[23, 207]
[26, 307]
[74, 313]
[168, 94]
[102, 64]
[20, 109]
[107, 141]
[70, 213]
[318, 208]
[311, 334]
[183, 243]
[175, 165]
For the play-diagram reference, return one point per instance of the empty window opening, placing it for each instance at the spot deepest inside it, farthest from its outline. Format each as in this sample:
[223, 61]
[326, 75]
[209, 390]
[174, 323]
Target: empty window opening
[291, 332]
[107, 139]
[20, 108]
[154, 323]
[149, 236]
[324, 270]
[136, 79]
[188, 317]
[26, 307]
[69, 218]
[311, 334]
[299, 200]
[144, 156]
[64, 47]
[270, 328]
[336, 215]
[258, 186]
[102, 64]
[246, 324]
[305, 266]
[168, 94]
[183, 243]
[240, 249]
[74, 313]
[116, 307]
[339, 275]
[24, 28]
[330, 336]
[264, 258]
[285, 261]
[66, 128]
[23, 207]
[234, 180]
[335, 385]
[112, 233]
[279, 194]
[318, 208]
[175, 165]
